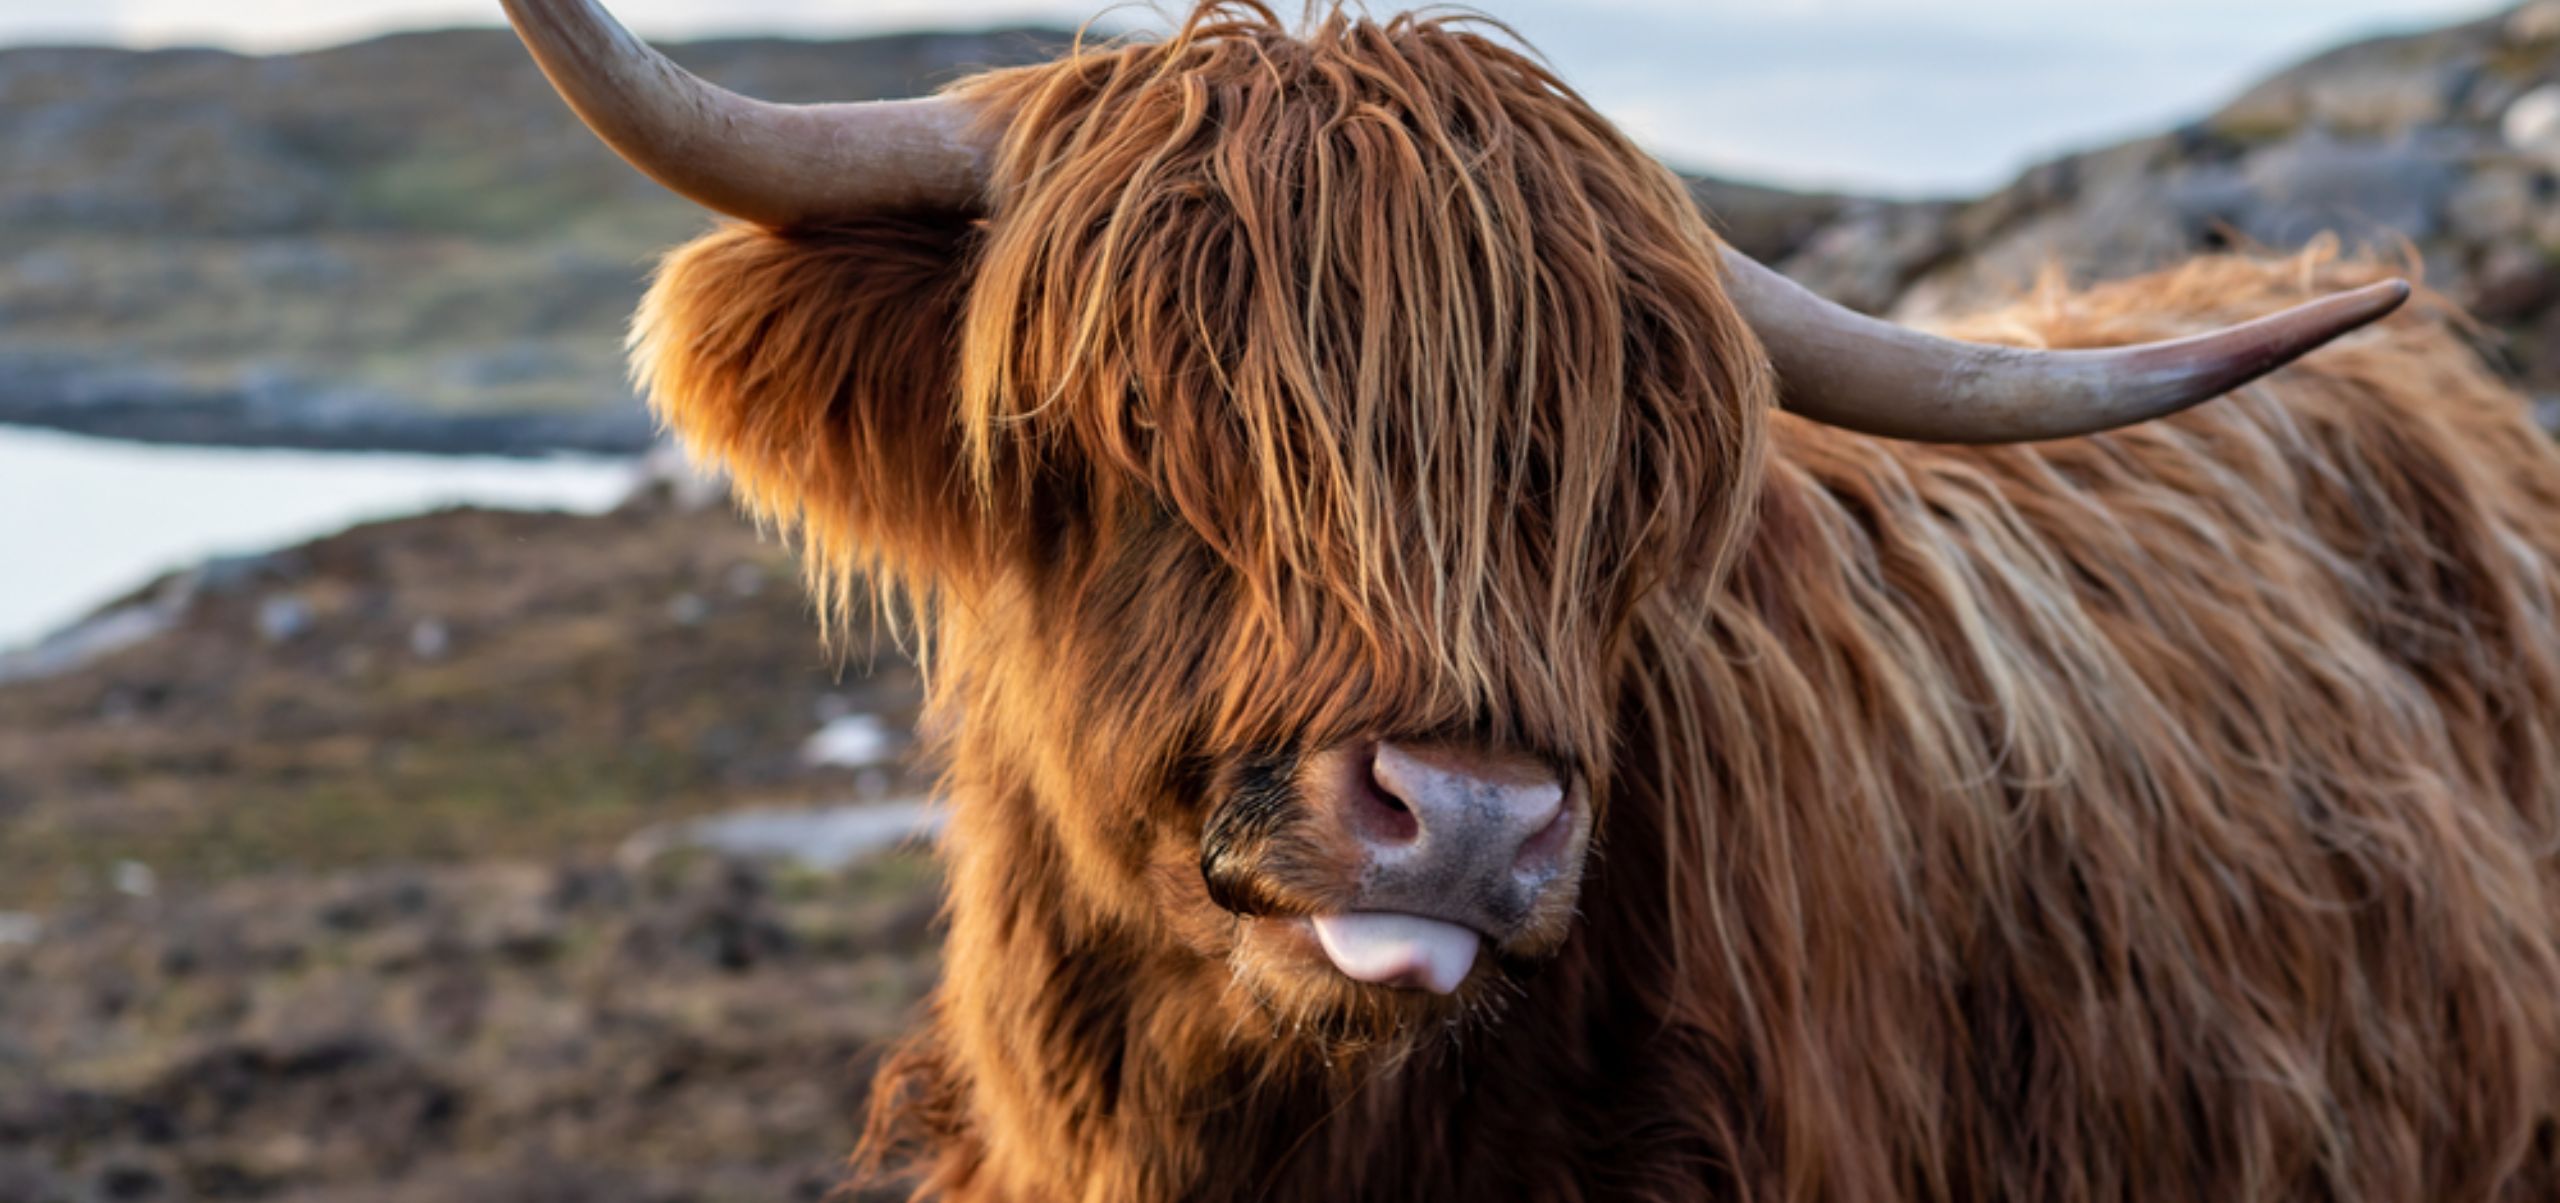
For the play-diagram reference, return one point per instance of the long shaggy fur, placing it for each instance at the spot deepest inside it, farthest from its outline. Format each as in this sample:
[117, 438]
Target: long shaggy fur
[2164, 815]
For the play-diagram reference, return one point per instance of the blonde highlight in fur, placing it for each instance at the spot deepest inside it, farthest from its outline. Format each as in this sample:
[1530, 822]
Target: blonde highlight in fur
[2169, 814]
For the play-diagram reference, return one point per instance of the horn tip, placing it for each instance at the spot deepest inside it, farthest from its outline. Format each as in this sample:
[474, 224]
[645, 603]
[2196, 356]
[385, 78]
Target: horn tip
[2386, 296]
[2356, 308]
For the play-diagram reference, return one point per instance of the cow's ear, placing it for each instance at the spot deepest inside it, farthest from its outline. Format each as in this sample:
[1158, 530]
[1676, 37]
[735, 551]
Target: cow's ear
[816, 369]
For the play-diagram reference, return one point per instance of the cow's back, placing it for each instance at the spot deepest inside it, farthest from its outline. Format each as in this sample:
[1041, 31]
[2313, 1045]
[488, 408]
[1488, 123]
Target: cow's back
[2167, 814]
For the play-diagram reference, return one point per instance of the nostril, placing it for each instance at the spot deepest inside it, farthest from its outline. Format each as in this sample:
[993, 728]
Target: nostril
[1544, 851]
[1385, 795]
[1537, 809]
[1381, 816]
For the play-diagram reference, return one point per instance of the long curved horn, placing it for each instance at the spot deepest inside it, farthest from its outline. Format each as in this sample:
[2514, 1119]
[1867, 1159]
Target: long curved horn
[1843, 368]
[775, 165]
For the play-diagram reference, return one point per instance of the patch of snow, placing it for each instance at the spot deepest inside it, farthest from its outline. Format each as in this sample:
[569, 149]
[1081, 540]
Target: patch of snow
[826, 838]
[851, 741]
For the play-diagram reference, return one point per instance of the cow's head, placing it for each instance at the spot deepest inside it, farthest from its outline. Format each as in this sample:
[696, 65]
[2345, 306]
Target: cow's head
[1285, 431]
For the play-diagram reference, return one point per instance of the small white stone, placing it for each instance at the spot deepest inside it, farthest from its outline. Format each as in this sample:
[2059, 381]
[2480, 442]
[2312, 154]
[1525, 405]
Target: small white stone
[135, 879]
[283, 618]
[430, 639]
[2533, 121]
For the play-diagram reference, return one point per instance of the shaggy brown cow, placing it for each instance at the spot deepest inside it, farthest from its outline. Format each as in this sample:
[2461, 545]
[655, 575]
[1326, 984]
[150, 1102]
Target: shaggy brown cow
[1424, 724]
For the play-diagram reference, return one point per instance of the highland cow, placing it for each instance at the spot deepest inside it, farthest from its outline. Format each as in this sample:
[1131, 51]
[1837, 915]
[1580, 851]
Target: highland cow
[1455, 686]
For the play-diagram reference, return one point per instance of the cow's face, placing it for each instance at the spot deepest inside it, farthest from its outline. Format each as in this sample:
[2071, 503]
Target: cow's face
[1327, 413]
[1293, 457]
[1344, 400]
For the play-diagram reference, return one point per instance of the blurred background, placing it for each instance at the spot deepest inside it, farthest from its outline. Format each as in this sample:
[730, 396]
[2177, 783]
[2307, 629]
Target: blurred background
[416, 785]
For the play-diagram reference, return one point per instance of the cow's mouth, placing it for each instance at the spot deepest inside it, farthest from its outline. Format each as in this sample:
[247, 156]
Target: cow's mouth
[1417, 959]
[1387, 948]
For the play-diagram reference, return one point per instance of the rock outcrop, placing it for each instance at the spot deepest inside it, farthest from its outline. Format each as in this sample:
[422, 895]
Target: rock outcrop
[2443, 146]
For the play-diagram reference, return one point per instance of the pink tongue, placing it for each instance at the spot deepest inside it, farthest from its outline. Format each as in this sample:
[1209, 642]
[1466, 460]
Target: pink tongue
[1398, 950]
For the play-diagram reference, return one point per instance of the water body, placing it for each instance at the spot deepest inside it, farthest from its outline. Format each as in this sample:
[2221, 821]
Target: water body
[83, 520]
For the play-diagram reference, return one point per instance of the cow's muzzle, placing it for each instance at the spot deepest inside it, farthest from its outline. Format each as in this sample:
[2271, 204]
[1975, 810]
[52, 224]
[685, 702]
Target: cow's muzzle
[1434, 850]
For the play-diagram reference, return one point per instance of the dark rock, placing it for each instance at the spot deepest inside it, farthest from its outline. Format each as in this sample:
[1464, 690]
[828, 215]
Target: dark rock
[375, 902]
[2364, 192]
[353, 1084]
[715, 911]
[26, 1179]
[131, 1183]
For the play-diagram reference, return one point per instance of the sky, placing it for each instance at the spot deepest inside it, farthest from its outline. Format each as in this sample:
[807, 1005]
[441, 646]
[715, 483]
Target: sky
[1909, 97]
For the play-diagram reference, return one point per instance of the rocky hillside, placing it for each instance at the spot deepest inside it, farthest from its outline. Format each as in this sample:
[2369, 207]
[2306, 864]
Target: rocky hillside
[2444, 145]
[403, 243]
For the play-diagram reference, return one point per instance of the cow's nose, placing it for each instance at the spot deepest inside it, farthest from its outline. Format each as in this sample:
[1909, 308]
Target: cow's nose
[1465, 835]
[1459, 800]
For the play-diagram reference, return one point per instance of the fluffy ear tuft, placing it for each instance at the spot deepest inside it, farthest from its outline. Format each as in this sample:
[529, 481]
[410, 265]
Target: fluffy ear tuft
[816, 369]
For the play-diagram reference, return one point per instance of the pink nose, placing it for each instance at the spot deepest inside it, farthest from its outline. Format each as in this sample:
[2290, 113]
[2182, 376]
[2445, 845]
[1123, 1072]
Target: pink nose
[1461, 834]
